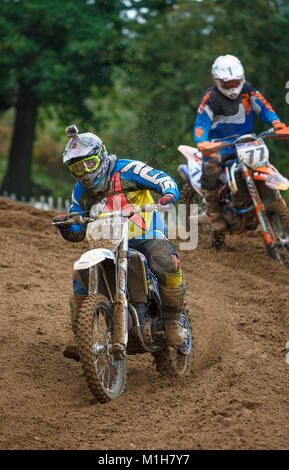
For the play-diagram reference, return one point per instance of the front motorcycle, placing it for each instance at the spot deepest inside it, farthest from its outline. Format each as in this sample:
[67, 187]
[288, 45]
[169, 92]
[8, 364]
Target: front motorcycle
[122, 312]
[251, 178]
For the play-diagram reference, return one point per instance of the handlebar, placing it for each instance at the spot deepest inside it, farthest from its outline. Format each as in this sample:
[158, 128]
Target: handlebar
[78, 219]
[247, 138]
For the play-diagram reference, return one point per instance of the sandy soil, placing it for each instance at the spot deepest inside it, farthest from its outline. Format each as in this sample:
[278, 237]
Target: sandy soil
[235, 396]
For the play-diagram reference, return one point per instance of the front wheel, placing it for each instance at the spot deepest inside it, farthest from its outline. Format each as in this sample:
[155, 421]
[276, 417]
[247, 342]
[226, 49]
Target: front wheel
[278, 214]
[189, 196]
[104, 374]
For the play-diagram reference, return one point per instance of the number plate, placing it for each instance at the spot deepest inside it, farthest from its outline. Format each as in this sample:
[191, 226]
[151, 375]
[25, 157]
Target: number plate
[195, 171]
[253, 154]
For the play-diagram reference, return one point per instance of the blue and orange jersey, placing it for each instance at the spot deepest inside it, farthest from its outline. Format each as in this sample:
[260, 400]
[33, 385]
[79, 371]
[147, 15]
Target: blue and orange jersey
[219, 117]
[131, 183]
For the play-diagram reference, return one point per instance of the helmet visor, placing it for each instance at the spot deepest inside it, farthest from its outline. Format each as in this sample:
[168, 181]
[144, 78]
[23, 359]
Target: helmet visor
[227, 85]
[86, 165]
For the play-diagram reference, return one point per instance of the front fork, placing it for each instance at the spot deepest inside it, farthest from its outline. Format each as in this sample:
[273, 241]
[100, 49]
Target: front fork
[120, 334]
[264, 222]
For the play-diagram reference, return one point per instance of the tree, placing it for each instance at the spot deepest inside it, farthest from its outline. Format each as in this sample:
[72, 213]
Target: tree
[170, 56]
[52, 53]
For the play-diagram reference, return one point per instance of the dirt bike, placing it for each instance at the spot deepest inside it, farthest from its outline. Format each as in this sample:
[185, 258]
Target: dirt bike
[250, 177]
[122, 312]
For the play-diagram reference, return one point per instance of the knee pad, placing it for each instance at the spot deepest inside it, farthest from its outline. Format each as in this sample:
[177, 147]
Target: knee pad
[210, 171]
[209, 182]
[165, 264]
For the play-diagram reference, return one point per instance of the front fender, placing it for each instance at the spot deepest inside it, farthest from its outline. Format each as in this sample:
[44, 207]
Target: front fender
[191, 172]
[190, 153]
[273, 179]
[93, 257]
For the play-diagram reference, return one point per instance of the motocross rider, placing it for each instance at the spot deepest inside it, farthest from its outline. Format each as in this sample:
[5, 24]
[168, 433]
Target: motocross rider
[226, 109]
[115, 184]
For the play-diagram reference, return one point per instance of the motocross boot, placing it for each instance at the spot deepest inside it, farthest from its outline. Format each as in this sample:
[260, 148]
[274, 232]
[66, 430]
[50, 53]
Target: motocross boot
[213, 211]
[240, 200]
[71, 350]
[173, 304]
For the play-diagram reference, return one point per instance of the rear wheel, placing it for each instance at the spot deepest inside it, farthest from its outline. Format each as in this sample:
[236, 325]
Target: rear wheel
[176, 362]
[104, 374]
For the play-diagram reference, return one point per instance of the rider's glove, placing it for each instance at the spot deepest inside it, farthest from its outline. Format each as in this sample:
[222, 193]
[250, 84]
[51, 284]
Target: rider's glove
[206, 145]
[166, 200]
[202, 144]
[62, 218]
[278, 125]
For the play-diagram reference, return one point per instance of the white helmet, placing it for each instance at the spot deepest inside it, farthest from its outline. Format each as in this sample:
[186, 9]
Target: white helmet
[229, 76]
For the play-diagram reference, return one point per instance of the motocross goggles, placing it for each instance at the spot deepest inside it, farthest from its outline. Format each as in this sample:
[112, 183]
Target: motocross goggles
[230, 84]
[85, 165]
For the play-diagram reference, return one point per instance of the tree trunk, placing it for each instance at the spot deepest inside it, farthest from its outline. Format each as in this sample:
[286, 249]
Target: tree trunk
[18, 176]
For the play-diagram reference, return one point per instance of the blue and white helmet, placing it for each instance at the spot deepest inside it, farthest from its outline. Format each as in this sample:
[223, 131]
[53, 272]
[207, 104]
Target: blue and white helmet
[82, 146]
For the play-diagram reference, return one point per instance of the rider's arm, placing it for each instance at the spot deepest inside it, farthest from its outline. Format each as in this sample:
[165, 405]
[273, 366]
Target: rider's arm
[77, 232]
[204, 120]
[262, 107]
[147, 177]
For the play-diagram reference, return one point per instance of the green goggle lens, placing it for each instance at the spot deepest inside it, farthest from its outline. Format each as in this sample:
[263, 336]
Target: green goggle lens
[86, 165]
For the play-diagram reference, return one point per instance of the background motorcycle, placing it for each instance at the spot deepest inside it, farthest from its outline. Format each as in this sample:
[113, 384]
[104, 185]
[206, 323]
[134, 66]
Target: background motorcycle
[122, 313]
[249, 171]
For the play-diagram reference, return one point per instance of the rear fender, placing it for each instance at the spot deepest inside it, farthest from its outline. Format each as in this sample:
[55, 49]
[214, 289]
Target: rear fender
[273, 179]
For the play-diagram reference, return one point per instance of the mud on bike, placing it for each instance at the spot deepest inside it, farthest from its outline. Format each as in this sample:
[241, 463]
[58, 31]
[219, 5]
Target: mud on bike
[122, 313]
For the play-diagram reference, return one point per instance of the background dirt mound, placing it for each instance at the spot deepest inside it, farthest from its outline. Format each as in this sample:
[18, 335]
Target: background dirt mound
[234, 397]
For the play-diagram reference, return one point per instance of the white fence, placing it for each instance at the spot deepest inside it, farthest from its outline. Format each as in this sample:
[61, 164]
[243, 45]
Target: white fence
[46, 203]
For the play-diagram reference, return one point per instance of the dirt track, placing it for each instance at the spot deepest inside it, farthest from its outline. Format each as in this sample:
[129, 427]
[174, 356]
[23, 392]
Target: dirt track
[236, 396]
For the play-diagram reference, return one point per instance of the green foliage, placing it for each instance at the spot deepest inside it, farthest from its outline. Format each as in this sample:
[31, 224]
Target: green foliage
[55, 184]
[53, 53]
[172, 47]
[60, 49]
[134, 71]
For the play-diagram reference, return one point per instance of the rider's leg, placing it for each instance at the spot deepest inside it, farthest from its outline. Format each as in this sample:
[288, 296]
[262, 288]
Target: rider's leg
[80, 288]
[209, 180]
[163, 261]
[241, 198]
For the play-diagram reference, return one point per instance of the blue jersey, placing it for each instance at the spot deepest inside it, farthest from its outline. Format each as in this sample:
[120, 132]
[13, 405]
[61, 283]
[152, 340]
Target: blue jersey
[130, 184]
[219, 117]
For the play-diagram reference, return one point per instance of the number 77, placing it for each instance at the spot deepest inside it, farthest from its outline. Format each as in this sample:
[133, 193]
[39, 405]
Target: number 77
[252, 154]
